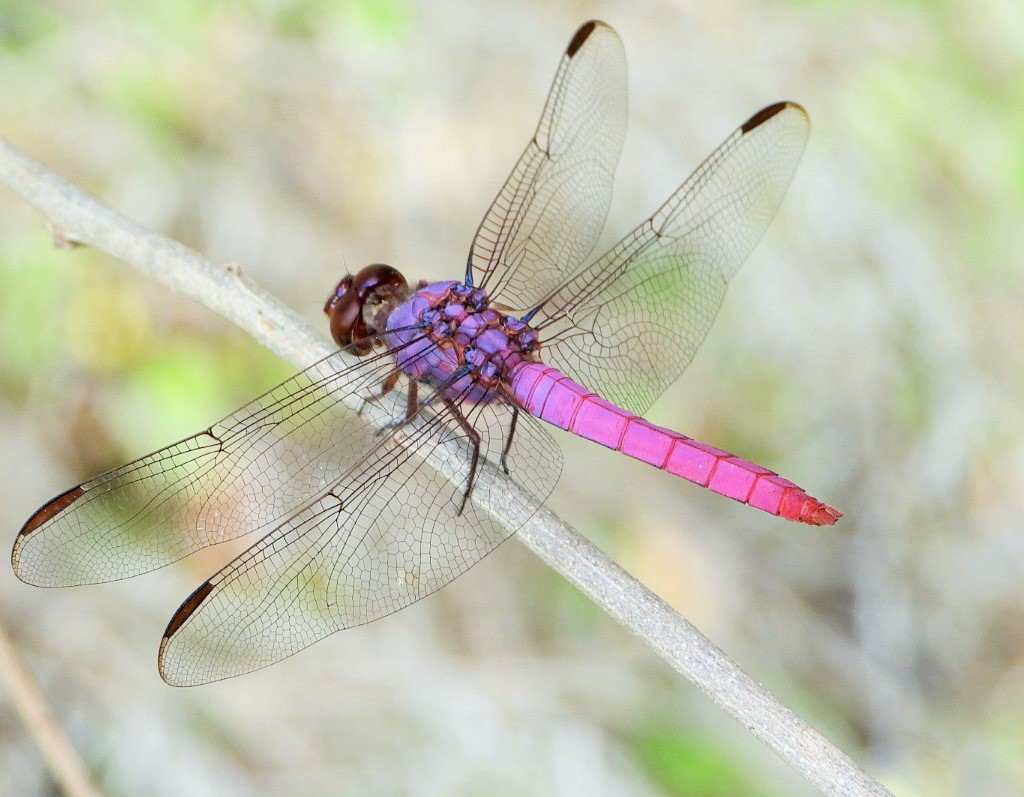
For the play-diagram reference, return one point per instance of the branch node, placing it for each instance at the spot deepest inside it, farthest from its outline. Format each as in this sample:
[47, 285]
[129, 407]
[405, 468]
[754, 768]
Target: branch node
[63, 238]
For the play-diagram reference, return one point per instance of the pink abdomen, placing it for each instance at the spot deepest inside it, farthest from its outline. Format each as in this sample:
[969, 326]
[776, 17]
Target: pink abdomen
[550, 395]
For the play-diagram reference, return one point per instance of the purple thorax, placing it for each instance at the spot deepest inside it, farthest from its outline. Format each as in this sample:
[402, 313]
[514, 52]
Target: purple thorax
[447, 327]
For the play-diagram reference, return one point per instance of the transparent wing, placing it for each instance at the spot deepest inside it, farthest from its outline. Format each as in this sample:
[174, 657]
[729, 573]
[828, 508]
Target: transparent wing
[242, 474]
[628, 324]
[548, 215]
[386, 534]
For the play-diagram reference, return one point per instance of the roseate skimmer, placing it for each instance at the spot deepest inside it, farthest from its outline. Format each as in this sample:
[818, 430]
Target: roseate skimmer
[357, 523]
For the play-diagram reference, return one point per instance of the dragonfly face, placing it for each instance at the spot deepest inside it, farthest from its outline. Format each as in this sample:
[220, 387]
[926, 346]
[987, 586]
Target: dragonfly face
[360, 305]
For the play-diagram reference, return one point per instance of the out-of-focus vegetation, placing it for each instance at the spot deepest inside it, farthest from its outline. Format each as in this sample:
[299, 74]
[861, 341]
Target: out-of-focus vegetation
[871, 351]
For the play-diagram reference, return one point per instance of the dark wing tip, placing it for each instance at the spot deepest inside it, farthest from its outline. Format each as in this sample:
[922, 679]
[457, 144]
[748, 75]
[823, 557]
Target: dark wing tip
[581, 36]
[186, 610]
[39, 518]
[765, 114]
[51, 508]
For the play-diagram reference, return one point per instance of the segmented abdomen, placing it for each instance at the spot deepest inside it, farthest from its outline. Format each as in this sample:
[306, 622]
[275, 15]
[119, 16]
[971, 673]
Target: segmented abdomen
[550, 395]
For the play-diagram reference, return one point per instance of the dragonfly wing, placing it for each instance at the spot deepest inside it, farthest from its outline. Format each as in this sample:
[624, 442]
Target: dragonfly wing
[242, 474]
[388, 533]
[628, 324]
[549, 213]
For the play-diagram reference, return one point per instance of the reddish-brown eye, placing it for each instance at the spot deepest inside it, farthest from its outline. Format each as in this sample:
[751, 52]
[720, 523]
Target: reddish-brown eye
[339, 291]
[353, 297]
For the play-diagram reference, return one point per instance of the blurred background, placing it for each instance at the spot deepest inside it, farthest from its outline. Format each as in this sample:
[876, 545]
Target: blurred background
[870, 350]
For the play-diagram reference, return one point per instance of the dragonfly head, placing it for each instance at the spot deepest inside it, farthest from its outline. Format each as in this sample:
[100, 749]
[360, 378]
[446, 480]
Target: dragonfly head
[360, 304]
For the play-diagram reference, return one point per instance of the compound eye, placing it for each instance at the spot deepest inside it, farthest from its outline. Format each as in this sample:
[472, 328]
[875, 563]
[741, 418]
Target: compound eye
[346, 313]
[340, 290]
[378, 281]
[353, 306]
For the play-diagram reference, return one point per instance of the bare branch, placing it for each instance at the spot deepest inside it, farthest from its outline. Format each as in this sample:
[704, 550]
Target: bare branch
[60, 755]
[79, 218]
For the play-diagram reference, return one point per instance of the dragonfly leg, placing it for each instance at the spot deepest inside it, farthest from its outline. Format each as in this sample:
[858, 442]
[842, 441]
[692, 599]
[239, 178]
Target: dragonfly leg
[508, 440]
[386, 387]
[412, 406]
[474, 439]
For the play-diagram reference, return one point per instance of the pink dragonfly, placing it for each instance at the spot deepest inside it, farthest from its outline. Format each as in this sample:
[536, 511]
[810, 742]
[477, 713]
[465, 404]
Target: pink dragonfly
[357, 524]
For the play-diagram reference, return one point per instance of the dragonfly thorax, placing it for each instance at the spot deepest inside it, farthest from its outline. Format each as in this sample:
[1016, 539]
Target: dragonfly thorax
[448, 335]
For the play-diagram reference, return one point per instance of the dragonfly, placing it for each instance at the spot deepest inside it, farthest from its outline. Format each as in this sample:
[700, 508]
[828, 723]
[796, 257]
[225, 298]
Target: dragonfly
[381, 473]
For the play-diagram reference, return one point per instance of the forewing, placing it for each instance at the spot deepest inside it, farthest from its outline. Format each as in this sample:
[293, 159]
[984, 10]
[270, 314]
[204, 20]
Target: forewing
[242, 474]
[388, 533]
[628, 324]
[549, 213]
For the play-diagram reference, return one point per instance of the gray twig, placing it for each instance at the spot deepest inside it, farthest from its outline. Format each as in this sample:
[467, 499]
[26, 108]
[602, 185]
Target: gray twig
[66, 766]
[78, 218]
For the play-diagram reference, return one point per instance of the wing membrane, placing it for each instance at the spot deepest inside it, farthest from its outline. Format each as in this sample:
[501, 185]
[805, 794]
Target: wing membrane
[629, 323]
[242, 474]
[549, 213]
[388, 533]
